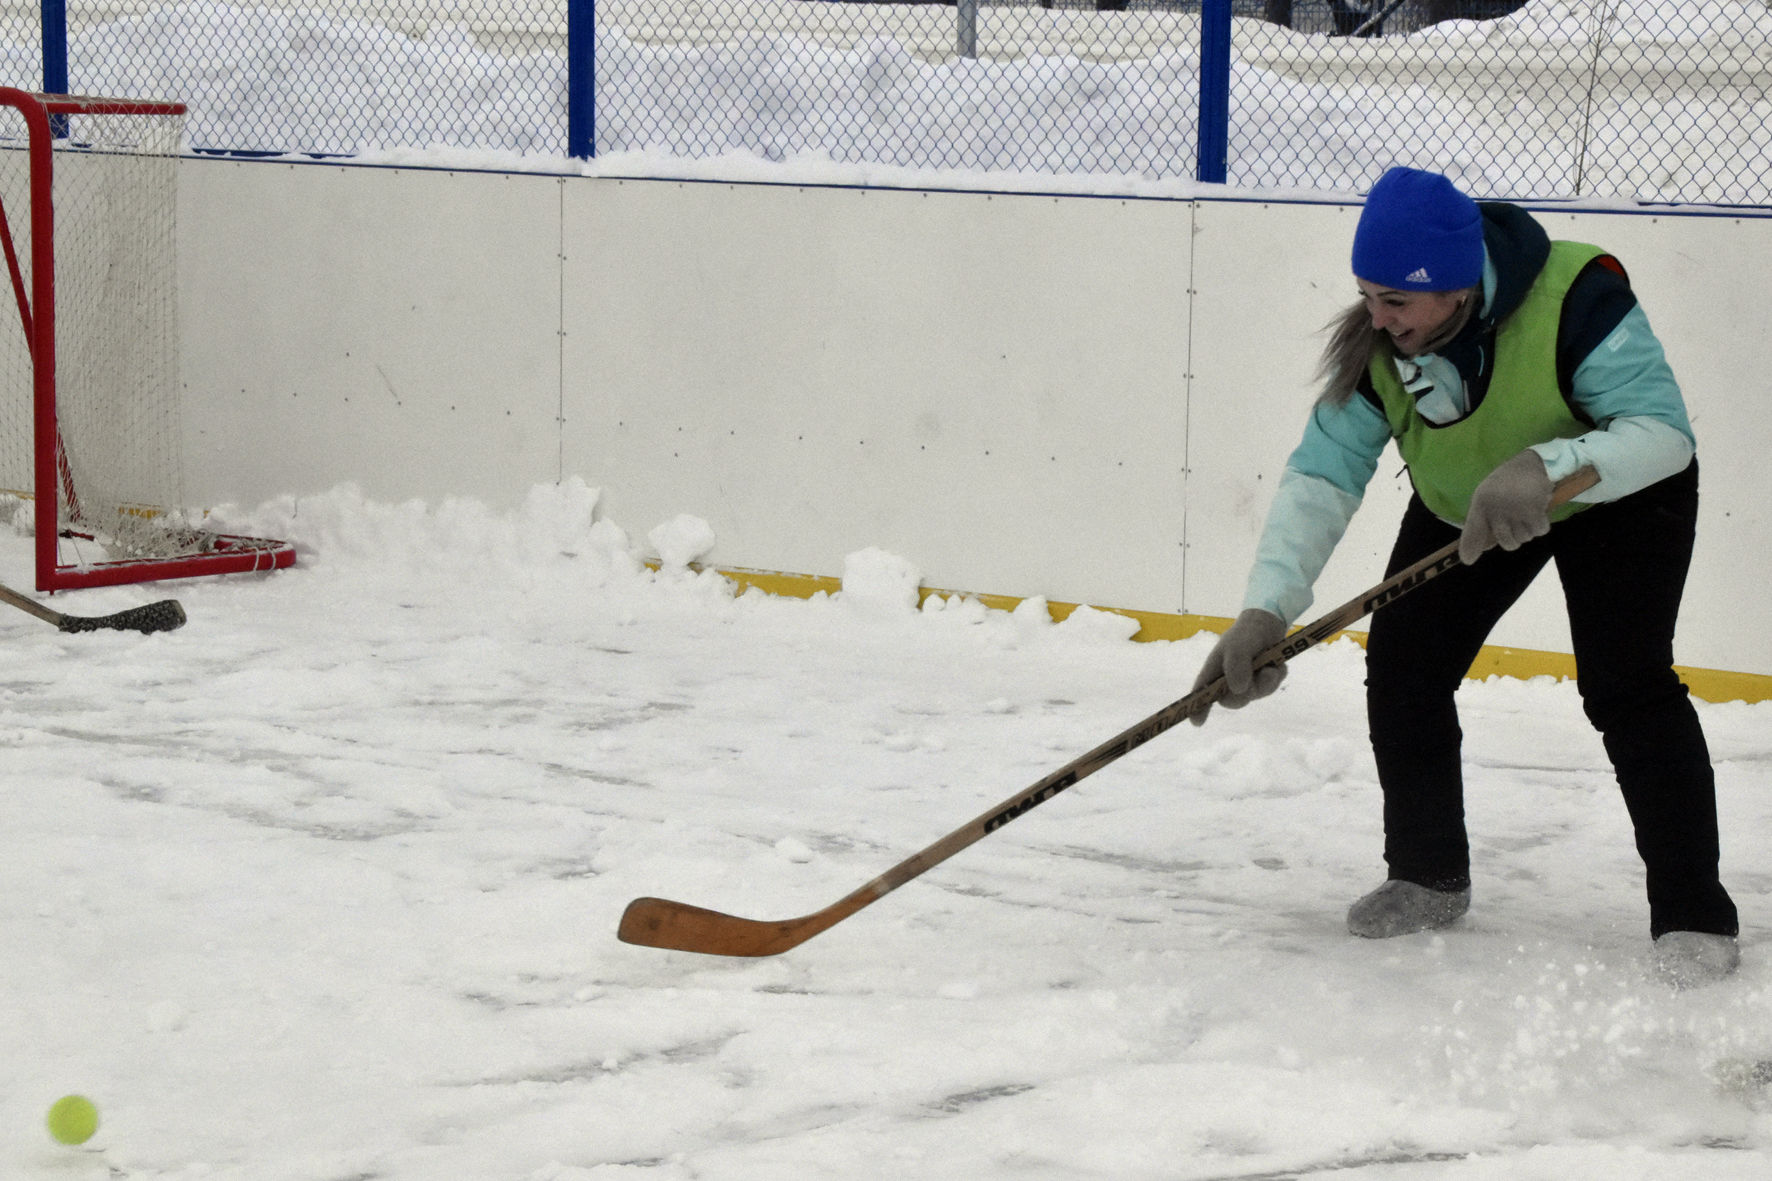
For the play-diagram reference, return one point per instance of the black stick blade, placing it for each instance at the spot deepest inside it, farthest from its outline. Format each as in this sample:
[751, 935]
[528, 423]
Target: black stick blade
[164, 616]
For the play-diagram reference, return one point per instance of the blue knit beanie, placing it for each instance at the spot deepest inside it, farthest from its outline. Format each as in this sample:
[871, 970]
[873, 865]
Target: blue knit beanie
[1418, 233]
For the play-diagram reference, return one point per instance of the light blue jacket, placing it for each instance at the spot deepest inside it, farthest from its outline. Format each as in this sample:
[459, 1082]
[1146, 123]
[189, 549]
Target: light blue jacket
[1624, 386]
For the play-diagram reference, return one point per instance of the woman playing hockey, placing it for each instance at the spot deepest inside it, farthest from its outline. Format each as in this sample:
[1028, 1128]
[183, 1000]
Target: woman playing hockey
[1500, 362]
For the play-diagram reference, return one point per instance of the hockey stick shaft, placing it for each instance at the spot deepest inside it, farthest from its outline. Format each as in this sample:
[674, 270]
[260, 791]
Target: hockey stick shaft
[677, 926]
[165, 615]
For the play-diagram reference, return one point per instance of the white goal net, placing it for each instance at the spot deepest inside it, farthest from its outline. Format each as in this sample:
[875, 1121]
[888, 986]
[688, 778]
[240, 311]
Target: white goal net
[90, 407]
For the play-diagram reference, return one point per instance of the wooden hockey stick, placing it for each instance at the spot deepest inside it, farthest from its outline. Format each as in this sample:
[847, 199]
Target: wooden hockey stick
[163, 616]
[677, 926]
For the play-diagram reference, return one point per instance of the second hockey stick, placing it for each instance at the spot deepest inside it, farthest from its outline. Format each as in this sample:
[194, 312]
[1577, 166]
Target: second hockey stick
[677, 926]
[164, 616]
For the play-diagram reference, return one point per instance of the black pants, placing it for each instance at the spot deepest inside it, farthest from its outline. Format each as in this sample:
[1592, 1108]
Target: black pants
[1623, 569]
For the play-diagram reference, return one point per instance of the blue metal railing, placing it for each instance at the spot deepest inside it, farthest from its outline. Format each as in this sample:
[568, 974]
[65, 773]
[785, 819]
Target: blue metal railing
[1213, 144]
[582, 67]
[581, 79]
[55, 46]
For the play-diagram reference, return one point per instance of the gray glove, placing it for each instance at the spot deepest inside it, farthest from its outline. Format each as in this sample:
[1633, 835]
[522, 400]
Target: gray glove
[1233, 657]
[1509, 508]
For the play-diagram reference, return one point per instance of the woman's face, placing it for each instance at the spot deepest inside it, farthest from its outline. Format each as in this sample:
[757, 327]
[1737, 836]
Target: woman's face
[1411, 317]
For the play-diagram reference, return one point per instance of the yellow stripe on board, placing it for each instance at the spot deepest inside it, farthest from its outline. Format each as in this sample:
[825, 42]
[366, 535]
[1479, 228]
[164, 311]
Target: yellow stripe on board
[1495, 660]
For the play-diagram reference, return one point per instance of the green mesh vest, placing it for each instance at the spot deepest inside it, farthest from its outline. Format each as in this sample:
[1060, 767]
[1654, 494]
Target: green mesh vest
[1523, 406]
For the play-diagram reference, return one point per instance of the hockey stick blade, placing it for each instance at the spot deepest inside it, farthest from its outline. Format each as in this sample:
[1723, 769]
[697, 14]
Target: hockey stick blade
[677, 926]
[164, 616]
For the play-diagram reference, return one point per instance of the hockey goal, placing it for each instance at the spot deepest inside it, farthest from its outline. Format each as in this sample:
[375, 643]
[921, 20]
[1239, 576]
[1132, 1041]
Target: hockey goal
[91, 428]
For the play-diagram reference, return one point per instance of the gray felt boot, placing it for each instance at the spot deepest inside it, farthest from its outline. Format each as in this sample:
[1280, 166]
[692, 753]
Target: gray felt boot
[1687, 959]
[1402, 908]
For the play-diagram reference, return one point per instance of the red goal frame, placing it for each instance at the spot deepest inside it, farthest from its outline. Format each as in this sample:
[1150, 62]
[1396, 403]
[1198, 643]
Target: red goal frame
[220, 553]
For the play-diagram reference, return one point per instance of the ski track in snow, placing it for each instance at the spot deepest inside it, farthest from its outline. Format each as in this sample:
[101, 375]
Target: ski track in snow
[324, 886]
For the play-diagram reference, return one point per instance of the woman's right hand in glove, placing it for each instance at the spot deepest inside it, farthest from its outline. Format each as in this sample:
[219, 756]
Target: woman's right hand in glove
[1233, 658]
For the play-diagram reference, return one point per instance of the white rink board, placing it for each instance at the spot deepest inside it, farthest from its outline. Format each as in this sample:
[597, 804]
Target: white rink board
[396, 329]
[1082, 398]
[989, 386]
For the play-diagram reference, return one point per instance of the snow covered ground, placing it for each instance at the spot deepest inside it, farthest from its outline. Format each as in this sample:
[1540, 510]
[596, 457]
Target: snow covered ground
[324, 886]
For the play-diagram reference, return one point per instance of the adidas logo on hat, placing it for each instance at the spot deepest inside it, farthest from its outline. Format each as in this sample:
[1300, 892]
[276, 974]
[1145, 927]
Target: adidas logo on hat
[1418, 275]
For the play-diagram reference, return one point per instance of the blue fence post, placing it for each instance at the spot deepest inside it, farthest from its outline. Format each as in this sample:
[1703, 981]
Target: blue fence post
[581, 78]
[1215, 91]
[55, 46]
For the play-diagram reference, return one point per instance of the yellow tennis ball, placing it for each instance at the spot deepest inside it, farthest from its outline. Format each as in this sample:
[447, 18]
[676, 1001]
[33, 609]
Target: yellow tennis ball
[73, 1119]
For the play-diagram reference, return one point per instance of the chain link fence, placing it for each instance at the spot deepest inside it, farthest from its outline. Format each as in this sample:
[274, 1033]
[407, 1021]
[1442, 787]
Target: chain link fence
[1553, 99]
[1565, 98]
[337, 77]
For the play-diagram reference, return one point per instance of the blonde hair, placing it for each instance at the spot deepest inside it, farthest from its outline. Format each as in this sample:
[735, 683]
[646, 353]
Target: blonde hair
[1353, 342]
